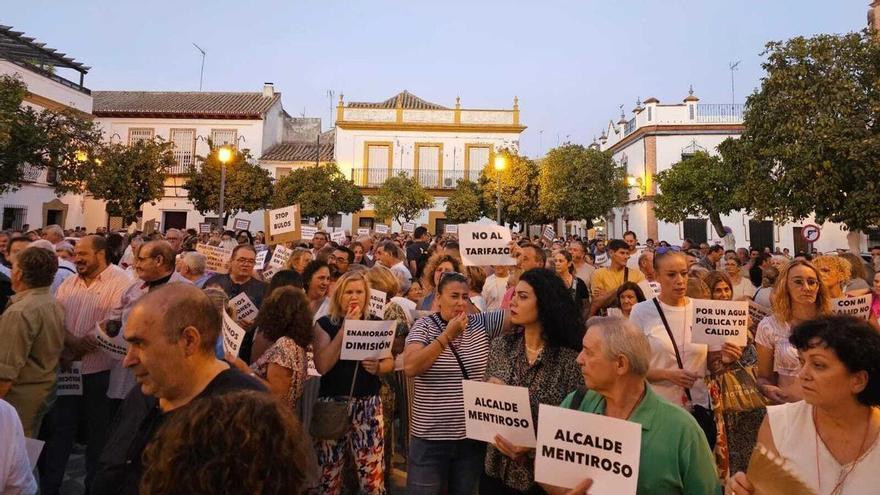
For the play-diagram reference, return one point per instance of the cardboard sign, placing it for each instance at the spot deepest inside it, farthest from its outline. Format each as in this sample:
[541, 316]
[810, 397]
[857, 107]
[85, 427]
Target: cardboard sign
[241, 224]
[115, 347]
[491, 409]
[409, 227]
[151, 226]
[205, 228]
[483, 245]
[717, 322]
[284, 220]
[549, 233]
[377, 303]
[381, 229]
[245, 309]
[261, 259]
[232, 335]
[860, 306]
[280, 256]
[574, 445]
[450, 229]
[367, 339]
[270, 272]
[70, 382]
[363, 231]
[338, 236]
[308, 232]
[756, 314]
[216, 258]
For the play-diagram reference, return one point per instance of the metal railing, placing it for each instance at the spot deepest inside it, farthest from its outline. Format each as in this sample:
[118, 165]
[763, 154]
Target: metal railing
[629, 127]
[182, 159]
[720, 112]
[429, 178]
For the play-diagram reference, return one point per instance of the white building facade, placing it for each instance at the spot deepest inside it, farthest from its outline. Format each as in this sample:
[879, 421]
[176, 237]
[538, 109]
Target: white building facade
[660, 135]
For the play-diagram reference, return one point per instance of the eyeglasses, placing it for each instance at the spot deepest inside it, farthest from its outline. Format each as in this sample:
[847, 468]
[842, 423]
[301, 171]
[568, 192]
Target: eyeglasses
[246, 261]
[667, 249]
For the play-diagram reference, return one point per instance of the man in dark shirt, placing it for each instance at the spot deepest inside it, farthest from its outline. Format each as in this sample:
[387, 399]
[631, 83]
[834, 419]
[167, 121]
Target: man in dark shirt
[417, 252]
[171, 333]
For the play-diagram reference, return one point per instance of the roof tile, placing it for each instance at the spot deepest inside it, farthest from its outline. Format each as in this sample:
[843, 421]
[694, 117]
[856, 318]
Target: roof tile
[251, 105]
[408, 101]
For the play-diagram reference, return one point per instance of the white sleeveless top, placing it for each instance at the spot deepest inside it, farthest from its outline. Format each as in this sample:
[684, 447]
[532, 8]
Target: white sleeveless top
[795, 437]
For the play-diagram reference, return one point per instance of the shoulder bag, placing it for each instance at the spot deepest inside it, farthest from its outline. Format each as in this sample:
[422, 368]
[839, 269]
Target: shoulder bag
[332, 419]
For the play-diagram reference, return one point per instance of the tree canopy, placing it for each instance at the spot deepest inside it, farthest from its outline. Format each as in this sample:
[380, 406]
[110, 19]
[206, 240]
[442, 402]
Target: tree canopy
[248, 185]
[402, 198]
[320, 191]
[519, 190]
[463, 205]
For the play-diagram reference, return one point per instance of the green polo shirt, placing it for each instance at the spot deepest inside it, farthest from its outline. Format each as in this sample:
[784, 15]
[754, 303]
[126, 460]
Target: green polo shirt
[675, 457]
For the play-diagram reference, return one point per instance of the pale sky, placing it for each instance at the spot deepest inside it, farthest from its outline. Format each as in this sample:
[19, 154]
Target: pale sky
[571, 63]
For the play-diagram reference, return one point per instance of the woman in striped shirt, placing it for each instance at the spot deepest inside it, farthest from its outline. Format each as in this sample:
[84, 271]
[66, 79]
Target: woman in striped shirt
[441, 350]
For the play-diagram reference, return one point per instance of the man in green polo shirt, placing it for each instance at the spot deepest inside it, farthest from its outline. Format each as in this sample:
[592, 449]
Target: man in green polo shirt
[675, 458]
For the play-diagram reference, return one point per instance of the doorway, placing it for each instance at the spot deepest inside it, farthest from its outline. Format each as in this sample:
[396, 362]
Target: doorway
[174, 220]
[761, 234]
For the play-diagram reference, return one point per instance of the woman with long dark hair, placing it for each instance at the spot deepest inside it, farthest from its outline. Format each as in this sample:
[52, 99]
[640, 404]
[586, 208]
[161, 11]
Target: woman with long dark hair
[540, 354]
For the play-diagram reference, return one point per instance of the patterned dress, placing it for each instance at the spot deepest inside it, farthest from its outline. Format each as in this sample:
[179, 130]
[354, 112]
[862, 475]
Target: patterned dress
[287, 354]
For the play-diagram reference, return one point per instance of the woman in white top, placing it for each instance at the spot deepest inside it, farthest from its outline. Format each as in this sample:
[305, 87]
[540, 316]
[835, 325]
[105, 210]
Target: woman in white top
[742, 286]
[799, 296]
[683, 387]
[830, 439]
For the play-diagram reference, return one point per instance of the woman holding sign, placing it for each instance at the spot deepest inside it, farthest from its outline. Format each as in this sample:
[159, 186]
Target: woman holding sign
[540, 354]
[356, 382]
[800, 295]
[441, 350]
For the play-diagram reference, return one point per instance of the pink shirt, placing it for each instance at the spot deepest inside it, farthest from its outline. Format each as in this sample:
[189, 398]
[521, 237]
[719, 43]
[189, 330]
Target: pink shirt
[85, 306]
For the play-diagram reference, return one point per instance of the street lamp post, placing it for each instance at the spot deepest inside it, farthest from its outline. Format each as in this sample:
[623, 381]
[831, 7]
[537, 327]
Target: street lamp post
[224, 154]
[500, 163]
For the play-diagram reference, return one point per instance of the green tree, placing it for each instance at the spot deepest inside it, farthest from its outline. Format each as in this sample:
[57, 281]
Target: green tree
[519, 190]
[248, 185]
[579, 183]
[402, 198]
[126, 177]
[32, 140]
[463, 205]
[320, 191]
[700, 185]
[811, 141]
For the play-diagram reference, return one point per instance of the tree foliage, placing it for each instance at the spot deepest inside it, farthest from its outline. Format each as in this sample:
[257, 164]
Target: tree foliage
[248, 185]
[578, 183]
[811, 136]
[463, 205]
[126, 177]
[519, 190]
[700, 185]
[32, 140]
[320, 191]
[402, 198]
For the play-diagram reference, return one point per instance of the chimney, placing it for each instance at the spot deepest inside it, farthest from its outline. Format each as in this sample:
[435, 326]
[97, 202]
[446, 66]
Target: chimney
[268, 90]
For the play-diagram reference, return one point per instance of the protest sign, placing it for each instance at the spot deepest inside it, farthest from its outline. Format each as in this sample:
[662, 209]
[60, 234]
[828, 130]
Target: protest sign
[614, 312]
[377, 303]
[381, 229]
[491, 409]
[338, 236]
[363, 231]
[33, 448]
[756, 314]
[151, 226]
[409, 227]
[70, 382]
[717, 322]
[216, 258]
[284, 220]
[279, 257]
[261, 259]
[115, 347]
[204, 228]
[232, 335]
[574, 445]
[367, 339]
[241, 224]
[310, 358]
[451, 229]
[549, 233]
[860, 306]
[245, 309]
[482, 245]
[308, 232]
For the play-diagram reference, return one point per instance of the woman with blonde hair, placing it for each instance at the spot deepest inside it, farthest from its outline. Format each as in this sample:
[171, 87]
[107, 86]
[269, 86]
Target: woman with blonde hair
[354, 381]
[799, 295]
[299, 259]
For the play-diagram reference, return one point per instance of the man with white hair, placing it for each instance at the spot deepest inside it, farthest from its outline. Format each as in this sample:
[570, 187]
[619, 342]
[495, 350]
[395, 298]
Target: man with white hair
[53, 233]
[675, 457]
[175, 238]
[65, 268]
[191, 265]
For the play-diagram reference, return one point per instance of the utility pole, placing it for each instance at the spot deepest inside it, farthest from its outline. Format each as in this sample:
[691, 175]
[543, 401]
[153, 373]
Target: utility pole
[330, 95]
[202, 71]
[733, 67]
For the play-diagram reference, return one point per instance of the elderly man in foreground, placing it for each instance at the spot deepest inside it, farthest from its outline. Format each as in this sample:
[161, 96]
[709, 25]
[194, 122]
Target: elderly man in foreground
[675, 458]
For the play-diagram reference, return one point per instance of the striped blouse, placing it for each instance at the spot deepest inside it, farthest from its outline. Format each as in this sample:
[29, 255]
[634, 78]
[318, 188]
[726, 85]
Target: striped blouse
[438, 401]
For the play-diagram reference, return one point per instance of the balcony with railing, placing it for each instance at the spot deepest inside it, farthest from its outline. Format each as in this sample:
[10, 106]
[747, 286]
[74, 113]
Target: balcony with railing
[182, 159]
[428, 178]
[720, 113]
[629, 127]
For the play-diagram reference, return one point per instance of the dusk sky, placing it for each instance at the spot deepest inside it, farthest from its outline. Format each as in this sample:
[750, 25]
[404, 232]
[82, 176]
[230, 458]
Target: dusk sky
[571, 63]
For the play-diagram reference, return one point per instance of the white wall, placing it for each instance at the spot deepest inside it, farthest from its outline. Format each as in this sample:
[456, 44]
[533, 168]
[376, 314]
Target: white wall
[47, 88]
[251, 130]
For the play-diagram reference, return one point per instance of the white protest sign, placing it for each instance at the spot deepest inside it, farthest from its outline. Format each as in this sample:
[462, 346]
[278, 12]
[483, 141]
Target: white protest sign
[337, 236]
[756, 314]
[483, 245]
[310, 358]
[241, 224]
[216, 258]
[115, 347]
[70, 382]
[549, 233]
[204, 228]
[451, 229]
[614, 312]
[574, 445]
[717, 322]
[377, 303]
[381, 229]
[270, 272]
[280, 256]
[308, 232]
[491, 409]
[363, 231]
[245, 309]
[860, 306]
[367, 339]
[33, 448]
[232, 335]
[261, 259]
[408, 227]
[283, 220]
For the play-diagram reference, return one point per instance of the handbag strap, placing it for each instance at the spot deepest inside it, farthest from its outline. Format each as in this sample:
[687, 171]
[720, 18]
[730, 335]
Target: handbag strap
[464, 372]
[578, 398]
[687, 391]
[625, 274]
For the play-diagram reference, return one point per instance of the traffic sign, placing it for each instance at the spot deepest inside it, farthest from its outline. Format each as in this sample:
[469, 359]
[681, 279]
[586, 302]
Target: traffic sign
[811, 232]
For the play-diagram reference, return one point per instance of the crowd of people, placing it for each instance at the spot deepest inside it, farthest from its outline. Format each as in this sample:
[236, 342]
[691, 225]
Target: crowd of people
[115, 340]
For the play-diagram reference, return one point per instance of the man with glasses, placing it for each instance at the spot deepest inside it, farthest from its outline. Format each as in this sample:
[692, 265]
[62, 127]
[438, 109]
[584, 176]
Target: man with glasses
[340, 259]
[175, 238]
